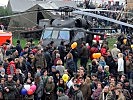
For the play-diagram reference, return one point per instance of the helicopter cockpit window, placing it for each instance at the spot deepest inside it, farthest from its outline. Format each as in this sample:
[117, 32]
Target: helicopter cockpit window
[64, 35]
[47, 34]
[55, 34]
[79, 35]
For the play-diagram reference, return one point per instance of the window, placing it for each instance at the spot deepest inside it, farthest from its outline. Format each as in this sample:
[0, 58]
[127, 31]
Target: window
[55, 34]
[47, 34]
[79, 35]
[64, 35]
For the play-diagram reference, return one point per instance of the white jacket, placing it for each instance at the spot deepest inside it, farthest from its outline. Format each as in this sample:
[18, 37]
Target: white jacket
[120, 64]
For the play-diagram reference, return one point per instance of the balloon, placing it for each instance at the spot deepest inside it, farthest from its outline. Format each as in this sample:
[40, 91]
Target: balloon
[132, 46]
[27, 87]
[33, 87]
[30, 92]
[65, 77]
[23, 91]
[96, 55]
[125, 41]
[74, 45]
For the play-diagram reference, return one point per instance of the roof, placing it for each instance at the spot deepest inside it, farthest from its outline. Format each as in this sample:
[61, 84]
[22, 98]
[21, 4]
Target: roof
[23, 5]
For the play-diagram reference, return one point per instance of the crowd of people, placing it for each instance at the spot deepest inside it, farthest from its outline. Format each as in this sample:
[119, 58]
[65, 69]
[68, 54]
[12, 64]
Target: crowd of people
[108, 77]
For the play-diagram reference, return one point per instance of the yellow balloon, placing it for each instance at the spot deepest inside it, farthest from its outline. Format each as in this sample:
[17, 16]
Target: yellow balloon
[132, 46]
[65, 77]
[74, 45]
[96, 55]
[125, 41]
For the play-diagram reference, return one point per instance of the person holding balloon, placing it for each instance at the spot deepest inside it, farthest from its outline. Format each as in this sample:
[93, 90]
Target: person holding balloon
[26, 91]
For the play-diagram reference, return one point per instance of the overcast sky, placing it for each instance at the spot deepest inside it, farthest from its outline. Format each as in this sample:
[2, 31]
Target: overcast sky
[3, 2]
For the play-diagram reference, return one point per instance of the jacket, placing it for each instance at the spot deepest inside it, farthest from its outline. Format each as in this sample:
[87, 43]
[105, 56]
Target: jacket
[109, 96]
[96, 94]
[63, 97]
[12, 90]
[86, 90]
[39, 89]
[40, 60]
[78, 95]
[11, 69]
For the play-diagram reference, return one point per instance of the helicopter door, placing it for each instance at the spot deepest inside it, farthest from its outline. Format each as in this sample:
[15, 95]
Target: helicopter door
[39, 17]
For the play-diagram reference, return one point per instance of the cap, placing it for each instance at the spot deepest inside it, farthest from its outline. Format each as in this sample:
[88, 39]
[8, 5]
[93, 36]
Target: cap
[54, 67]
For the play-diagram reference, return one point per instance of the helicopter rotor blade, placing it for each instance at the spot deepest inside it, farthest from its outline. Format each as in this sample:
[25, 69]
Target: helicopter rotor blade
[102, 17]
[27, 12]
[101, 10]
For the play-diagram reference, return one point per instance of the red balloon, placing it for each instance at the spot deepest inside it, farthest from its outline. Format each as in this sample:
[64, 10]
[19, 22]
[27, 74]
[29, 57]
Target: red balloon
[30, 92]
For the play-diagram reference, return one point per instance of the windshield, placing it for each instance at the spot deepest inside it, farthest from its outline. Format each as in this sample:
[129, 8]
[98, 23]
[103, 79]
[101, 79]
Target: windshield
[47, 34]
[56, 34]
[64, 35]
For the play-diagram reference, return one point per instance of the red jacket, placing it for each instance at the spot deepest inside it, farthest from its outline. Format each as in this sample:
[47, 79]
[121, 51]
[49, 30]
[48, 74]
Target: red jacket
[11, 69]
[103, 51]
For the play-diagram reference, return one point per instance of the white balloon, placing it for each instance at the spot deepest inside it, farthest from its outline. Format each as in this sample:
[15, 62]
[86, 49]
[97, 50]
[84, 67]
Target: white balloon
[27, 87]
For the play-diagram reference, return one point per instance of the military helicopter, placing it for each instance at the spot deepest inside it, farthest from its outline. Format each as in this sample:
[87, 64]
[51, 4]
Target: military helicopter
[72, 25]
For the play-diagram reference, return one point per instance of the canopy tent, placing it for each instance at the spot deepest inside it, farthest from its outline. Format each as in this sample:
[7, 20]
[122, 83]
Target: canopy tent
[5, 36]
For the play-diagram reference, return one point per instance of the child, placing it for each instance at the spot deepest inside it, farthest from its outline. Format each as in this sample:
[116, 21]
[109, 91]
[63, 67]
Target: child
[106, 69]
[102, 61]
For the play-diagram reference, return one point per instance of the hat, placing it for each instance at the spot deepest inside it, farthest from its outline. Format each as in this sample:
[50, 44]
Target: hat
[54, 67]
[2, 70]
[106, 66]
[115, 45]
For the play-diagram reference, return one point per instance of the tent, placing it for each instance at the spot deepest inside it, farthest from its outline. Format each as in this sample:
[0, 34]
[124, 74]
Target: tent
[5, 36]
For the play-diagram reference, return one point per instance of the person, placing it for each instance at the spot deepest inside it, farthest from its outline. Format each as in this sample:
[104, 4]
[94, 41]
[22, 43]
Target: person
[70, 65]
[10, 88]
[84, 55]
[77, 93]
[124, 91]
[101, 74]
[106, 94]
[102, 62]
[120, 64]
[60, 67]
[106, 70]
[44, 79]
[115, 51]
[11, 69]
[85, 88]
[62, 51]
[39, 90]
[61, 95]
[97, 92]
[18, 76]
[39, 60]
[19, 47]
[49, 89]
[119, 95]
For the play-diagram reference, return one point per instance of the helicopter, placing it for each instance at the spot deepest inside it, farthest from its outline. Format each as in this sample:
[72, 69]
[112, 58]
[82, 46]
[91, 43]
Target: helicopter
[72, 25]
